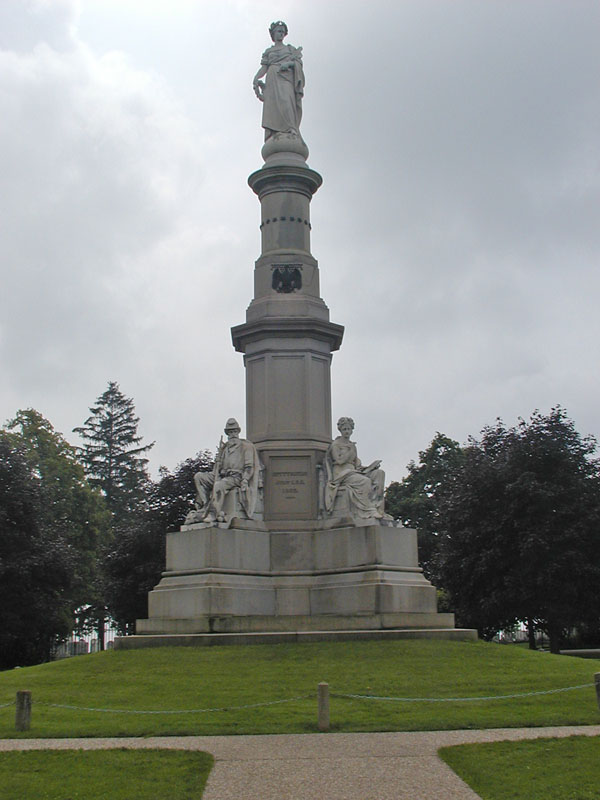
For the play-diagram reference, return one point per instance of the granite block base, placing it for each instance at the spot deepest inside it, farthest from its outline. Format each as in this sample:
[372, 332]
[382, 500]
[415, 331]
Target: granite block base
[309, 578]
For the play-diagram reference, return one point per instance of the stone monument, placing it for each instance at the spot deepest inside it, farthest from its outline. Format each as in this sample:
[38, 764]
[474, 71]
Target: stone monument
[289, 531]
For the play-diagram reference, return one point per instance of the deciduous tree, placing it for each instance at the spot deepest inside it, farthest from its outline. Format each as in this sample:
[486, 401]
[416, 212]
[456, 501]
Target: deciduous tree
[519, 521]
[70, 504]
[137, 558]
[414, 501]
[36, 563]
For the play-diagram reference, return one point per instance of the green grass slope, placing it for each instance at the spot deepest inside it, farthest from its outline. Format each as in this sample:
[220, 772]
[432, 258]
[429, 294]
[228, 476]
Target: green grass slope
[103, 774]
[544, 769]
[237, 680]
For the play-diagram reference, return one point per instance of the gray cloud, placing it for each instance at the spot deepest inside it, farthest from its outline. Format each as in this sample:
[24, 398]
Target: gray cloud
[456, 228]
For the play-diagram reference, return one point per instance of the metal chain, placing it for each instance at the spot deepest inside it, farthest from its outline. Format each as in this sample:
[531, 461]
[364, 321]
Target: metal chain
[185, 711]
[459, 699]
[306, 696]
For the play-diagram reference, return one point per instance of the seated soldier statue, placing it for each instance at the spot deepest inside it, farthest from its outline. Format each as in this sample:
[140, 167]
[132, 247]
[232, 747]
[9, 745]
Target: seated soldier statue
[237, 470]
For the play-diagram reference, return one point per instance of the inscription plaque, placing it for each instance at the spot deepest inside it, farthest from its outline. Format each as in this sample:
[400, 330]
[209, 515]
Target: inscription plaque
[290, 487]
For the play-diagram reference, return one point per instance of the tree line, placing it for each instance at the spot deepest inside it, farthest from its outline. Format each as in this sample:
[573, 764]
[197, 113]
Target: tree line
[508, 526]
[82, 529]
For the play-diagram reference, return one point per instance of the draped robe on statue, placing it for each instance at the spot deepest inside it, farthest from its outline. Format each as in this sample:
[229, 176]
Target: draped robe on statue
[343, 467]
[282, 95]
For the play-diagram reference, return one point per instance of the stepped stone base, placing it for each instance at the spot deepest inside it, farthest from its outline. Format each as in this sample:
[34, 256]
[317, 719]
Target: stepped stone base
[284, 637]
[287, 623]
[247, 579]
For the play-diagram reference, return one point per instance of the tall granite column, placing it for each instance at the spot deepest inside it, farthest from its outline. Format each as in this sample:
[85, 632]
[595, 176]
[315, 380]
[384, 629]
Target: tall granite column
[287, 339]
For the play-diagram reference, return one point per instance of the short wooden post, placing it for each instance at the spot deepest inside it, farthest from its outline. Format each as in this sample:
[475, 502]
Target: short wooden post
[323, 713]
[23, 711]
[597, 680]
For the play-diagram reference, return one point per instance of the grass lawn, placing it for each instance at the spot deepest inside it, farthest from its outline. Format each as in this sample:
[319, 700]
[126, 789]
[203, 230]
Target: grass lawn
[544, 769]
[171, 679]
[103, 774]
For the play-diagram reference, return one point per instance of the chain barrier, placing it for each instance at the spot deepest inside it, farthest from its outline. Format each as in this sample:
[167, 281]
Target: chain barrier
[307, 696]
[184, 711]
[459, 699]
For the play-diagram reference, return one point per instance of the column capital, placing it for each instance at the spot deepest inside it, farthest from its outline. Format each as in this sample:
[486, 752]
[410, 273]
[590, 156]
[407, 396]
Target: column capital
[285, 178]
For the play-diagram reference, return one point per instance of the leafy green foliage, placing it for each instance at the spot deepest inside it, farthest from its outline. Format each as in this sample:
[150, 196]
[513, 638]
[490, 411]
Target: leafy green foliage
[118, 774]
[509, 525]
[520, 527]
[172, 496]
[36, 563]
[541, 769]
[134, 563]
[414, 501]
[69, 505]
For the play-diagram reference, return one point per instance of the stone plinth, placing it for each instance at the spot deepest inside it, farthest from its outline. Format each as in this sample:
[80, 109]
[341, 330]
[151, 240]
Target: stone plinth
[317, 576]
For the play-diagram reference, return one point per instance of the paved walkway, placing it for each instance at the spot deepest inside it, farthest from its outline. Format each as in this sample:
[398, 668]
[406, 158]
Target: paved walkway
[334, 766]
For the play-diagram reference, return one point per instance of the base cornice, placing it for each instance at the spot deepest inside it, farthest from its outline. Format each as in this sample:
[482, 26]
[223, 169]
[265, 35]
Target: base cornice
[285, 637]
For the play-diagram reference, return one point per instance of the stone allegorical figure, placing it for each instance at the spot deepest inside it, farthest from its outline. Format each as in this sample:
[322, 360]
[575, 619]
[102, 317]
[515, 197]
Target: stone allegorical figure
[282, 90]
[237, 466]
[364, 485]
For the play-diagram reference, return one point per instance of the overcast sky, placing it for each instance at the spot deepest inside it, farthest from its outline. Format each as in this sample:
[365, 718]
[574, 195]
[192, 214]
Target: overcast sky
[457, 228]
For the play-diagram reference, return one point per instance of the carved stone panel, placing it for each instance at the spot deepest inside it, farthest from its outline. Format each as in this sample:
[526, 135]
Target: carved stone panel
[290, 487]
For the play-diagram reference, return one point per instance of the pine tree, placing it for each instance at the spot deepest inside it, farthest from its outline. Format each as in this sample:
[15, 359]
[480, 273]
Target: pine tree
[112, 455]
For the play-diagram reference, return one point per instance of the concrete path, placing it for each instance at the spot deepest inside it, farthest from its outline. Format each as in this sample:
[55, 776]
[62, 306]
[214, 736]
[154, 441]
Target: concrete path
[335, 766]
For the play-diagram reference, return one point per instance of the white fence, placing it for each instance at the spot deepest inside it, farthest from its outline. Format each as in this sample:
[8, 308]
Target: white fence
[79, 644]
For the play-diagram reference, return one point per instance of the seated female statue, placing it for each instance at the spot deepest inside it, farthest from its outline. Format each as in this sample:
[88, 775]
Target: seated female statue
[364, 485]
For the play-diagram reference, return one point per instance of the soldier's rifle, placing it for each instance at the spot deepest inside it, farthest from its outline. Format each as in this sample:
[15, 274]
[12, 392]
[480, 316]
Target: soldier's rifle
[217, 469]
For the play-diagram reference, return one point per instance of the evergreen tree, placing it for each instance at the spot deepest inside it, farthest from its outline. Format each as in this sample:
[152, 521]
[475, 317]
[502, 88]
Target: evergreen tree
[112, 455]
[113, 459]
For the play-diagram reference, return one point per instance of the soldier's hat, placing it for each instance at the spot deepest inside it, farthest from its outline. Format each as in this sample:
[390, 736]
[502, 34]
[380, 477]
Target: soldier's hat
[232, 424]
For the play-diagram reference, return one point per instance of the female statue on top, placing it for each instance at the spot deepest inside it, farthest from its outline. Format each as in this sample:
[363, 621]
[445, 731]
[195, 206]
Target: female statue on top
[282, 90]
